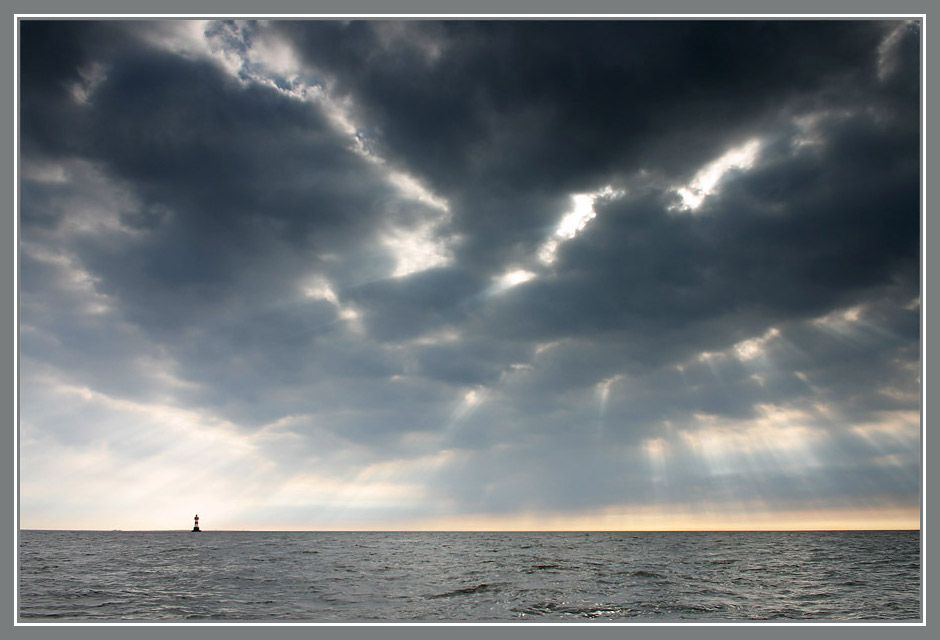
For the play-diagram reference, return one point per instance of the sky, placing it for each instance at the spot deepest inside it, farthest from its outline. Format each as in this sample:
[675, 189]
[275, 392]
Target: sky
[513, 275]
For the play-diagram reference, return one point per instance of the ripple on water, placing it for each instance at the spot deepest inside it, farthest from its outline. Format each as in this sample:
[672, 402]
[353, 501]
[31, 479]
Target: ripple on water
[467, 577]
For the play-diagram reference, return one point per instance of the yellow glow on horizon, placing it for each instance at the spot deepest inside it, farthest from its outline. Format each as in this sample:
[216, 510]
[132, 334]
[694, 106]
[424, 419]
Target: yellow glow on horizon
[638, 517]
[646, 518]
[633, 518]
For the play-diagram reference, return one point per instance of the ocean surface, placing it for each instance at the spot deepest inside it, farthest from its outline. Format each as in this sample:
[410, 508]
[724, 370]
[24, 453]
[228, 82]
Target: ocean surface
[469, 577]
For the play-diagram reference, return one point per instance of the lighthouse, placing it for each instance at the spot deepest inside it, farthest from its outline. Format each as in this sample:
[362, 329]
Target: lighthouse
[196, 524]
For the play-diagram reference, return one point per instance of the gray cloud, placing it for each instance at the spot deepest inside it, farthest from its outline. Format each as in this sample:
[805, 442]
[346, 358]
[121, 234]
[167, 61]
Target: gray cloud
[215, 224]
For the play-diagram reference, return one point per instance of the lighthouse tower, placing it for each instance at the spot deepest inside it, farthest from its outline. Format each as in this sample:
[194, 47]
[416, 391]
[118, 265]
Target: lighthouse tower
[196, 524]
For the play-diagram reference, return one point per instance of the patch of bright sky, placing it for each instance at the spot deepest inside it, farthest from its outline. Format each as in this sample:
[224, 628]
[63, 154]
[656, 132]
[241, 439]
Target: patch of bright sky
[779, 435]
[839, 320]
[317, 287]
[545, 346]
[184, 37]
[442, 336]
[470, 402]
[706, 181]
[175, 440]
[755, 347]
[509, 280]
[416, 249]
[177, 478]
[746, 350]
[575, 220]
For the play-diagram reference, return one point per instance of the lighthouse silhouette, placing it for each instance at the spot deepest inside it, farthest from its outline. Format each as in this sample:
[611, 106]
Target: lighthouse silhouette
[196, 524]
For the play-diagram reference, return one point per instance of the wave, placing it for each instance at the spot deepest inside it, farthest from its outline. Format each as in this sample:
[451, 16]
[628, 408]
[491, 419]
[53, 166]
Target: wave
[643, 573]
[466, 591]
[597, 610]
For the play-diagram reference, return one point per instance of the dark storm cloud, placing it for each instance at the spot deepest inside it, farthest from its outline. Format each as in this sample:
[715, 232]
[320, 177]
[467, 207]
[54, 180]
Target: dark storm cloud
[610, 90]
[236, 189]
[408, 307]
[790, 240]
[56, 56]
[219, 167]
[796, 238]
[519, 107]
[236, 238]
[554, 478]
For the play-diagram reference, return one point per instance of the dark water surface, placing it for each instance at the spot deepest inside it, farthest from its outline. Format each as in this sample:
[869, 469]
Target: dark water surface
[469, 577]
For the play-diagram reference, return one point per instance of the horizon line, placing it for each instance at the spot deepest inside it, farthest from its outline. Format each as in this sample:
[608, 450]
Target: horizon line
[820, 530]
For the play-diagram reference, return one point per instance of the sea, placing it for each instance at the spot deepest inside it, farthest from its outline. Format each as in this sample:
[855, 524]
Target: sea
[469, 577]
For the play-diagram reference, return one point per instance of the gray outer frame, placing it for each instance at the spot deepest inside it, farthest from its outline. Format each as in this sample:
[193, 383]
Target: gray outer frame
[481, 8]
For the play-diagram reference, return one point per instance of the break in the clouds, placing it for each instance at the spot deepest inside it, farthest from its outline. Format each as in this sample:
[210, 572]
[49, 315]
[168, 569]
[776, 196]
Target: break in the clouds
[588, 274]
